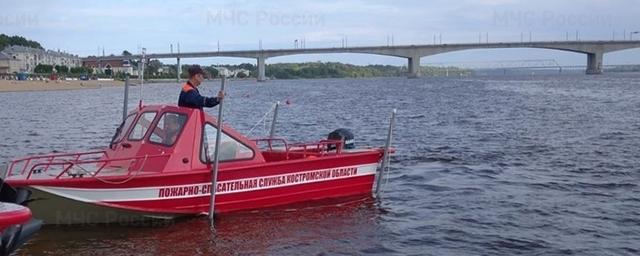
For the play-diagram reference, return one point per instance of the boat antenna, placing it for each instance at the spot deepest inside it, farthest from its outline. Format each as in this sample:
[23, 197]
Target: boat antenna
[144, 50]
[385, 155]
[272, 133]
[126, 97]
[216, 158]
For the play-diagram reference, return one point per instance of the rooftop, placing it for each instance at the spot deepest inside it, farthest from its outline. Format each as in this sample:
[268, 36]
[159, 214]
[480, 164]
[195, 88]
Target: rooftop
[4, 56]
[23, 49]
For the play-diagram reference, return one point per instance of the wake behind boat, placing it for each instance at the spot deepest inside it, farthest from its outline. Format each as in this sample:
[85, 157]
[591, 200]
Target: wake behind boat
[158, 165]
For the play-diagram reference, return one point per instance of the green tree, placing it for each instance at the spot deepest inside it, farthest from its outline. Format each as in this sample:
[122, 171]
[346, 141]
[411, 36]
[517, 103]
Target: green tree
[6, 40]
[43, 69]
[212, 71]
[152, 67]
[62, 69]
[241, 75]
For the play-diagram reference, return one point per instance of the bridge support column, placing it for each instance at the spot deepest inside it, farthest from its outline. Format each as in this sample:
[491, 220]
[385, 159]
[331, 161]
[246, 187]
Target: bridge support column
[178, 70]
[261, 67]
[414, 67]
[594, 63]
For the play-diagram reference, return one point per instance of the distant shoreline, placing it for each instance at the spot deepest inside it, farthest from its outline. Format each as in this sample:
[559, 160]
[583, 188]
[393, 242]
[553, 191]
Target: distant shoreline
[31, 85]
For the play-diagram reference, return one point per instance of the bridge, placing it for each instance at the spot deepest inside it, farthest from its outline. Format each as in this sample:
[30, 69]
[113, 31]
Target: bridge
[594, 50]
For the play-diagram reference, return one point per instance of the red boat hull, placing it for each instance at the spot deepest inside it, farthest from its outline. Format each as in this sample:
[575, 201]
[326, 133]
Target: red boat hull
[158, 165]
[167, 196]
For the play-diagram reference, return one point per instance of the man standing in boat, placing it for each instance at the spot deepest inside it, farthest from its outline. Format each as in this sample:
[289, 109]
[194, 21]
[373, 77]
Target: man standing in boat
[190, 96]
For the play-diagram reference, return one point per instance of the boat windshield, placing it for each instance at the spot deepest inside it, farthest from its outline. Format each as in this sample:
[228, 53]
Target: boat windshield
[142, 125]
[122, 129]
[168, 128]
[230, 148]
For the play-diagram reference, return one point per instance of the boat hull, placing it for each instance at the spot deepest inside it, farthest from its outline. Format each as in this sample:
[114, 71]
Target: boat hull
[164, 197]
[54, 209]
[140, 175]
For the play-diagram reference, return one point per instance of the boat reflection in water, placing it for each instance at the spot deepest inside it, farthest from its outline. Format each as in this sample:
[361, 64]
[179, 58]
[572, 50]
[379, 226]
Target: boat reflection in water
[321, 227]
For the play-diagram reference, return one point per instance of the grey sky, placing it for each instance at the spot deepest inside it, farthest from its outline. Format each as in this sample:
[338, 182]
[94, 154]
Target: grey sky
[85, 27]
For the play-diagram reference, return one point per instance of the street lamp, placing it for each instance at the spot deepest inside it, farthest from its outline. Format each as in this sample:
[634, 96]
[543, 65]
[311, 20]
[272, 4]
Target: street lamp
[632, 33]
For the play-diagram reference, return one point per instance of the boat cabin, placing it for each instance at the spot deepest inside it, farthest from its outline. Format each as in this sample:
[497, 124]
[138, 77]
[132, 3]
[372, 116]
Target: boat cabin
[186, 136]
[162, 139]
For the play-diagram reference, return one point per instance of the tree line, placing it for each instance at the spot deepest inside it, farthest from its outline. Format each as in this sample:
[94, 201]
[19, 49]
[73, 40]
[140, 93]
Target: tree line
[330, 70]
[6, 40]
[61, 69]
[305, 70]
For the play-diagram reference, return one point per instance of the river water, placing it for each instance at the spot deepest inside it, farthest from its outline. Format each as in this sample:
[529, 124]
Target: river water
[536, 165]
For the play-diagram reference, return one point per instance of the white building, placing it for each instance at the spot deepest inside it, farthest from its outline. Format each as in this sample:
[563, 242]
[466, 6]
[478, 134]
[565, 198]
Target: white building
[115, 65]
[222, 71]
[8, 64]
[245, 72]
[27, 58]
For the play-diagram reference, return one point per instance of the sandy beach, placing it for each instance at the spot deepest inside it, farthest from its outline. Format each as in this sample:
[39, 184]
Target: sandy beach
[19, 86]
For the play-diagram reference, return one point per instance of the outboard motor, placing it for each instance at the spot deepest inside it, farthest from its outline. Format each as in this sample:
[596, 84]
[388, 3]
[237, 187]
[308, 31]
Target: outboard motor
[346, 136]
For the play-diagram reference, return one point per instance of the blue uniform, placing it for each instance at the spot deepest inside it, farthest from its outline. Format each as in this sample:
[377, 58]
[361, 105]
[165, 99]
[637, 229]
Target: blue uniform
[190, 97]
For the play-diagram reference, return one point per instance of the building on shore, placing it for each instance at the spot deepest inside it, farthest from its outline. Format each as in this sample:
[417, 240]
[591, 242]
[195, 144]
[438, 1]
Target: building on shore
[223, 71]
[8, 64]
[241, 73]
[109, 66]
[25, 59]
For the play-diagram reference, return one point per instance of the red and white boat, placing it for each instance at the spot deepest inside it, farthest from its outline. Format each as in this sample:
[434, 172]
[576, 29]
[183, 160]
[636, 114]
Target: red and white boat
[158, 166]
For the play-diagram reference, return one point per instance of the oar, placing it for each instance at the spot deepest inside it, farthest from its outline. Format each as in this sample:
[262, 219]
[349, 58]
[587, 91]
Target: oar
[214, 171]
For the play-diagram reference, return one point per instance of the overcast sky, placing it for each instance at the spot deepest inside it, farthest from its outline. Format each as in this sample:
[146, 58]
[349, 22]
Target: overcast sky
[86, 27]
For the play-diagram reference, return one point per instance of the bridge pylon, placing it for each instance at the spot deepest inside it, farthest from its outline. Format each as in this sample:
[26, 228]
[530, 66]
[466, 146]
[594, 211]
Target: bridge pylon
[413, 67]
[594, 63]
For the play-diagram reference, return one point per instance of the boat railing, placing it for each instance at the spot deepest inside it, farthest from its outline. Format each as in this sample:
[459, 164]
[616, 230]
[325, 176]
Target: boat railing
[26, 162]
[316, 148]
[270, 142]
[67, 161]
